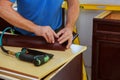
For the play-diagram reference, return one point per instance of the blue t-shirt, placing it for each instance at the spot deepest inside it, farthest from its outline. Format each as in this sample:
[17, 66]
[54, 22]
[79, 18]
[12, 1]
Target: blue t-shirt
[40, 12]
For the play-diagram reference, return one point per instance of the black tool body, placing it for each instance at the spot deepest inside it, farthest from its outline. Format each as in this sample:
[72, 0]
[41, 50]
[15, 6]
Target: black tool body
[34, 56]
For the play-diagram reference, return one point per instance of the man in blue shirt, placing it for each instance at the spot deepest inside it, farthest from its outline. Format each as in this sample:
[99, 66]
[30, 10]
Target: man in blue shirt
[41, 18]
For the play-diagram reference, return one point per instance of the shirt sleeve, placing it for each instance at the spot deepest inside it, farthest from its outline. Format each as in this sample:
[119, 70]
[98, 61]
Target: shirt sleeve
[12, 1]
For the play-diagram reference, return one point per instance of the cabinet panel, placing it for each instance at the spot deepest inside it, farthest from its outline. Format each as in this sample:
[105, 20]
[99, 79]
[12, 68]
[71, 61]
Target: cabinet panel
[107, 61]
[106, 26]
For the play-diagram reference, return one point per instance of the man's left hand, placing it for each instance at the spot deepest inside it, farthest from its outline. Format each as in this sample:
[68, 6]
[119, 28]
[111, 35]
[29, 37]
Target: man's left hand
[65, 35]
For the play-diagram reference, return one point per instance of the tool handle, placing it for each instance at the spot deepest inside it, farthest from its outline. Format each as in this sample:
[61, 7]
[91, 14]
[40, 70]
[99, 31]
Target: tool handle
[26, 57]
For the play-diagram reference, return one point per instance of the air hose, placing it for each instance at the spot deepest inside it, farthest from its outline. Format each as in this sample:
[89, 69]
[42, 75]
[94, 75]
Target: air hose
[36, 57]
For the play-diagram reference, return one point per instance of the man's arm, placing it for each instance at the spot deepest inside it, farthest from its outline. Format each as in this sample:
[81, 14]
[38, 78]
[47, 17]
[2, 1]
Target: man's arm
[72, 15]
[14, 18]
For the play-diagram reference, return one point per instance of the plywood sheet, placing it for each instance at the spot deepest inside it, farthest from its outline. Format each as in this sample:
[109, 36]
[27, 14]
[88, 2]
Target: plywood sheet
[12, 64]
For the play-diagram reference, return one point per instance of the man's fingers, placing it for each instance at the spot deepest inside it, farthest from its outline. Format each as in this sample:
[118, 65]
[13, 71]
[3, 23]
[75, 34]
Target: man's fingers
[46, 38]
[50, 37]
[47, 33]
[62, 39]
[69, 43]
[55, 35]
[60, 33]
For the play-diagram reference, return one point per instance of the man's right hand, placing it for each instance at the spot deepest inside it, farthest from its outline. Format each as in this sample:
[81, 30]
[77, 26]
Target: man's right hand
[46, 32]
[14, 18]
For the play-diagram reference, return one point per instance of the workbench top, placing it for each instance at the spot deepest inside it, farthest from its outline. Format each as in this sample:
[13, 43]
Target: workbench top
[20, 68]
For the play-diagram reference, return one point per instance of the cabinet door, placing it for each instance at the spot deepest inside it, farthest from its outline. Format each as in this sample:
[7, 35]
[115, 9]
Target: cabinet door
[106, 60]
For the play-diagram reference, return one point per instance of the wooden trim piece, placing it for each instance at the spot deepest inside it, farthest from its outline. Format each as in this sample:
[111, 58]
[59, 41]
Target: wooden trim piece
[103, 14]
[31, 42]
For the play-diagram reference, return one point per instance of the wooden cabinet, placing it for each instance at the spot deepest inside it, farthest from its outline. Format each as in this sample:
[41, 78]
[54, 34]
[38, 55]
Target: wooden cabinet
[106, 47]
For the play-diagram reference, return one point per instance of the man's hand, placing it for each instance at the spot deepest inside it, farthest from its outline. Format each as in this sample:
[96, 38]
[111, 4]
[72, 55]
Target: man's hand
[46, 32]
[65, 35]
[71, 18]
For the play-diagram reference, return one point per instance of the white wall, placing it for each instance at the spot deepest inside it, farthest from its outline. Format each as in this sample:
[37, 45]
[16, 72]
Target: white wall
[85, 26]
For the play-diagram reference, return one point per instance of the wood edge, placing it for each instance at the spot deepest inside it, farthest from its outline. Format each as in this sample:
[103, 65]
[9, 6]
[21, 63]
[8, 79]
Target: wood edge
[6, 77]
[103, 14]
[17, 74]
